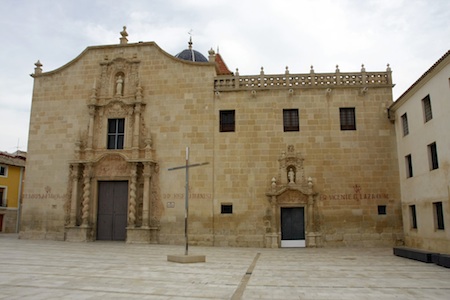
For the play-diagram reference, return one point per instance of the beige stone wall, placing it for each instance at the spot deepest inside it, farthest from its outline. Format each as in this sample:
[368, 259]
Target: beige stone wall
[338, 161]
[352, 171]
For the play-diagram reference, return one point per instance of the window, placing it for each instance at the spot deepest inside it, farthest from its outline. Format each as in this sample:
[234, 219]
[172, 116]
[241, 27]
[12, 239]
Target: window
[290, 120]
[413, 217]
[226, 209]
[432, 156]
[227, 123]
[2, 195]
[3, 171]
[347, 116]
[409, 168]
[405, 124]
[428, 115]
[381, 209]
[116, 132]
[438, 215]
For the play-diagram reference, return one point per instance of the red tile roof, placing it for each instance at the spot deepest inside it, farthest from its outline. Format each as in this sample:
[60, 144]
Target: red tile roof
[221, 67]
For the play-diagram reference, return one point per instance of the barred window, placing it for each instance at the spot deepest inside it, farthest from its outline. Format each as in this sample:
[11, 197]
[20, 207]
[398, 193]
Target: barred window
[405, 124]
[428, 115]
[347, 117]
[432, 156]
[227, 121]
[291, 120]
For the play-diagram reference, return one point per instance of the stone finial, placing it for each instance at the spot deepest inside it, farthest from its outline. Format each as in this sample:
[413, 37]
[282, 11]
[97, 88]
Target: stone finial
[274, 183]
[388, 68]
[312, 69]
[38, 69]
[362, 68]
[124, 34]
[287, 70]
[337, 69]
[262, 71]
[237, 72]
[212, 55]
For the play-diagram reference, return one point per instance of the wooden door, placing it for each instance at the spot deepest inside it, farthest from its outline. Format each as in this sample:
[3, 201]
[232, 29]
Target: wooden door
[112, 210]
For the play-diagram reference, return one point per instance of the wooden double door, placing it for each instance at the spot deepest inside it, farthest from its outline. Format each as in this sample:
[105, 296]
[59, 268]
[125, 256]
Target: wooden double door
[112, 210]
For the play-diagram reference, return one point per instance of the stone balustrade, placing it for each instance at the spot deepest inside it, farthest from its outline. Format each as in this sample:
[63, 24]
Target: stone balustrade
[310, 80]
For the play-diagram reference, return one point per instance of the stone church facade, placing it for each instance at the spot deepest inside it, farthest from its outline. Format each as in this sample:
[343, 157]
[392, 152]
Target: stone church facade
[293, 159]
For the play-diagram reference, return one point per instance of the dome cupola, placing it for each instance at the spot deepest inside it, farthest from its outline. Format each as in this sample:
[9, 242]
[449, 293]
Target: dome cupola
[191, 54]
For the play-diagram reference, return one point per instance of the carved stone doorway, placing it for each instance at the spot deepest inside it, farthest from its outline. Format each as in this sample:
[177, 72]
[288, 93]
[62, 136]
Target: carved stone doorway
[293, 208]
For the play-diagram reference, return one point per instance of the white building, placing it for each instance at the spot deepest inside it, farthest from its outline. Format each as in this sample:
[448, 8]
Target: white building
[422, 124]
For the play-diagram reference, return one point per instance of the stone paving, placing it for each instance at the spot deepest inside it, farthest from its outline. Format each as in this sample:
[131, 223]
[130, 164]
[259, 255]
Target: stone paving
[36, 269]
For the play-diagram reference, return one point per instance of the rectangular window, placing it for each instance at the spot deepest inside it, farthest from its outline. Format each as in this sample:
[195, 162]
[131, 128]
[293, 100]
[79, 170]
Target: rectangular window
[413, 217]
[226, 209]
[381, 209]
[438, 215]
[116, 133]
[432, 156]
[2, 195]
[291, 120]
[227, 121]
[347, 116]
[405, 124]
[427, 113]
[3, 171]
[409, 167]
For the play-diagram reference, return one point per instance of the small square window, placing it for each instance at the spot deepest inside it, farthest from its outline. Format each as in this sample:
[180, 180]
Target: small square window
[381, 209]
[227, 121]
[291, 120]
[409, 167]
[226, 209]
[439, 215]
[405, 124]
[432, 156]
[427, 113]
[347, 118]
[413, 216]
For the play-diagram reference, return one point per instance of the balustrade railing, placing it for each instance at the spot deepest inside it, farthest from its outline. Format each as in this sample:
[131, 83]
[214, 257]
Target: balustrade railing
[311, 80]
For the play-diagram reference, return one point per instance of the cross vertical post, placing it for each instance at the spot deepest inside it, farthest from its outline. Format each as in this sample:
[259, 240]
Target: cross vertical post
[186, 203]
[186, 196]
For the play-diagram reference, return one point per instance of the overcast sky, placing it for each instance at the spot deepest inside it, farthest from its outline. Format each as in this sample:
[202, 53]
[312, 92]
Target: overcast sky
[410, 35]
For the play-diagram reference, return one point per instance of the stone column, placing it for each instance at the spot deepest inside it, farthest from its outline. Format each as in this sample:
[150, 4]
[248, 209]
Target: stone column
[132, 204]
[146, 195]
[86, 194]
[90, 139]
[74, 198]
[137, 125]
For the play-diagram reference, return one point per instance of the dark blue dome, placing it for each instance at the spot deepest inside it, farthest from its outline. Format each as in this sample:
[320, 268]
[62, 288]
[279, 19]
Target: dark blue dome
[191, 54]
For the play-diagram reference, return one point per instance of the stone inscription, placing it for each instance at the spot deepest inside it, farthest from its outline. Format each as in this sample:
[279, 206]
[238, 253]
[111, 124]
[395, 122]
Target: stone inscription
[180, 196]
[356, 195]
[47, 195]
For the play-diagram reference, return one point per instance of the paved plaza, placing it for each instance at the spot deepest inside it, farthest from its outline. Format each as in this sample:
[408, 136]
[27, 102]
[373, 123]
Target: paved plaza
[36, 269]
